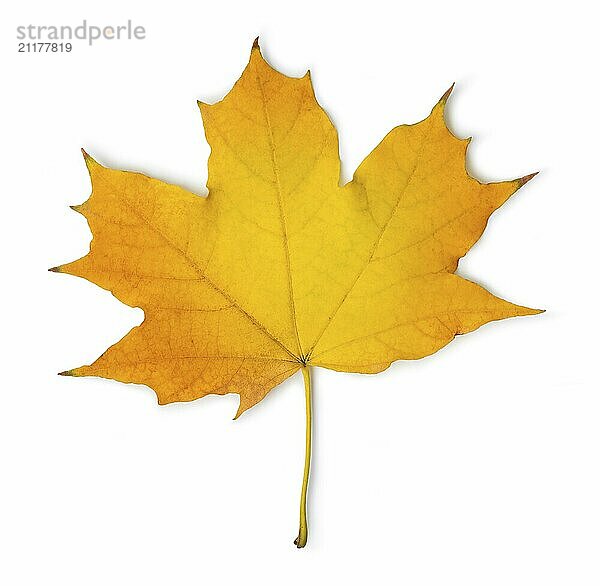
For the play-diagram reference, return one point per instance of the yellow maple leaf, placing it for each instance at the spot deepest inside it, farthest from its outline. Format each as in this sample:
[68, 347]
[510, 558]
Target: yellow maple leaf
[280, 268]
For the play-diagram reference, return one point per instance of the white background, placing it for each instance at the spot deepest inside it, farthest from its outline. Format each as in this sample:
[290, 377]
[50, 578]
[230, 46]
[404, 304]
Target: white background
[476, 466]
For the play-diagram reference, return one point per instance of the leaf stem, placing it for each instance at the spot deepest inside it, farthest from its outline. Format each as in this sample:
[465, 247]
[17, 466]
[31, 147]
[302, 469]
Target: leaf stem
[300, 541]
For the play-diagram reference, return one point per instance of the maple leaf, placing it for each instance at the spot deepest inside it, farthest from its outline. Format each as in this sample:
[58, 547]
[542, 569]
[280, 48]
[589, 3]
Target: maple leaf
[280, 268]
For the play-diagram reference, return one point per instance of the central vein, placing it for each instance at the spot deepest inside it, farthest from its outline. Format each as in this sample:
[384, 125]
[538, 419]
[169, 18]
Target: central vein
[282, 218]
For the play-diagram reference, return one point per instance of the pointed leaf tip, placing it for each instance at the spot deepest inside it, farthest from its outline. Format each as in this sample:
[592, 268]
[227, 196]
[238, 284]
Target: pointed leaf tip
[446, 95]
[89, 160]
[54, 269]
[239, 411]
[526, 179]
[66, 373]
[255, 44]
